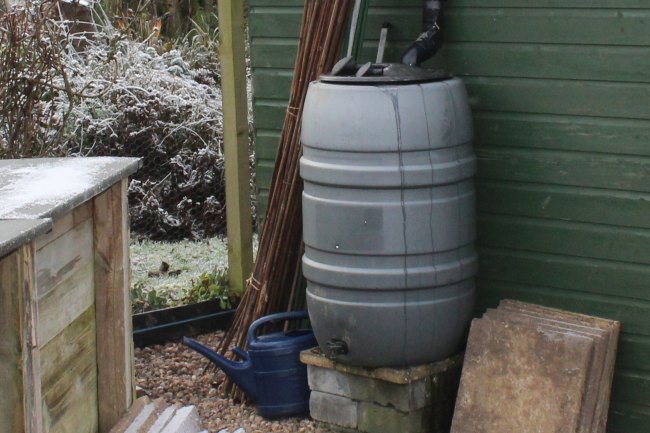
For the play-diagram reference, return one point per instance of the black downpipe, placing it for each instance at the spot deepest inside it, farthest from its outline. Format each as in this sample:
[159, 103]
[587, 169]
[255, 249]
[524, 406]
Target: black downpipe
[431, 39]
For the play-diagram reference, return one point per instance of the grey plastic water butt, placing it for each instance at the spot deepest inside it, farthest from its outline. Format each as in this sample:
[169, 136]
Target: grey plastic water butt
[388, 217]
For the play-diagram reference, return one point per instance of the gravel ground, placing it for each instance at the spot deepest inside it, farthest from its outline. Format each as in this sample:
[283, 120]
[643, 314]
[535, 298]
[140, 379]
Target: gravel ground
[178, 374]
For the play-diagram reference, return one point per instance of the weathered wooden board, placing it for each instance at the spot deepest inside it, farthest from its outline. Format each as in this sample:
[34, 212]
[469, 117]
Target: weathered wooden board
[64, 224]
[63, 257]
[633, 314]
[532, 25]
[563, 272]
[567, 203]
[579, 98]
[553, 132]
[11, 346]
[69, 377]
[65, 303]
[20, 401]
[113, 305]
[565, 238]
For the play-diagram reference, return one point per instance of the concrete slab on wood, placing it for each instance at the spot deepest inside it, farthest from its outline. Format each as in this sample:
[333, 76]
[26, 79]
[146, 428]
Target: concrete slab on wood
[515, 377]
[15, 233]
[49, 187]
[393, 375]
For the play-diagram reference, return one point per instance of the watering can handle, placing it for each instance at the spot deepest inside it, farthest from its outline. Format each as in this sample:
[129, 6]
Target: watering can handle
[291, 315]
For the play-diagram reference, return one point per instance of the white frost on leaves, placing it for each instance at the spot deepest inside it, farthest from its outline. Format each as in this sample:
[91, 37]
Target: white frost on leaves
[43, 185]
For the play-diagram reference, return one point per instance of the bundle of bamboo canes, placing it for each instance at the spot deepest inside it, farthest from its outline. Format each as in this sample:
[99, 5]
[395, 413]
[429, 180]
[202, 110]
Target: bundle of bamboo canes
[276, 281]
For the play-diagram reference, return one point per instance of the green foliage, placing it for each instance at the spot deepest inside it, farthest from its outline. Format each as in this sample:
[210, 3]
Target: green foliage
[148, 300]
[209, 286]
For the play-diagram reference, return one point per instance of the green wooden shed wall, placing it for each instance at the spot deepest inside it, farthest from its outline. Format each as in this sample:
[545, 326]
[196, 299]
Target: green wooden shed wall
[560, 91]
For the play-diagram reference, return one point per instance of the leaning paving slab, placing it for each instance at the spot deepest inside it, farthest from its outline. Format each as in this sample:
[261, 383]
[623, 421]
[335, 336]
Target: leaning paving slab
[515, 377]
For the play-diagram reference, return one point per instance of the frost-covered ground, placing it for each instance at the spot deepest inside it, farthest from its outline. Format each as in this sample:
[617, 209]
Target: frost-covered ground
[191, 258]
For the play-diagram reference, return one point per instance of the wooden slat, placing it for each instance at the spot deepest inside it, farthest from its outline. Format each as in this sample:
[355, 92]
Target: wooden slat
[585, 134]
[273, 53]
[20, 400]
[626, 418]
[570, 273]
[269, 114]
[113, 306]
[264, 171]
[266, 144]
[64, 224]
[63, 257]
[615, 172]
[565, 238]
[591, 205]
[61, 306]
[11, 346]
[69, 377]
[576, 26]
[272, 83]
[632, 313]
[517, 25]
[579, 98]
[631, 387]
[576, 62]
[633, 352]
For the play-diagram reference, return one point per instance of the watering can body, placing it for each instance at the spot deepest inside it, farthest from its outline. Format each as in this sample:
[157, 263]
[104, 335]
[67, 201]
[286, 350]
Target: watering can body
[270, 373]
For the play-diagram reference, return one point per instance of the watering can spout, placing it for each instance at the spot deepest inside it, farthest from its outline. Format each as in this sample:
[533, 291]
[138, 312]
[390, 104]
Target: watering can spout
[240, 372]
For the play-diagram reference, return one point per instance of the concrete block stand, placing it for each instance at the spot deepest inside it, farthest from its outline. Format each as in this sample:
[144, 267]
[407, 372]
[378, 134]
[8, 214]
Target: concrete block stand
[418, 399]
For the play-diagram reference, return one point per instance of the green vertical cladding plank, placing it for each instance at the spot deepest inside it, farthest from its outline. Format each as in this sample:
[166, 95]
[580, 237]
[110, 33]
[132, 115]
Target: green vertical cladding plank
[628, 418]
[565, 238]
[568, 273]
[272, 83]
[275, 22]
[273, 53]
[269, 114]
[631, 387]
[632, 313]
[575, 62]
[265, 172]
[591, 205]
[587, 134]
[266, 144]
[564, 168]
[569, 97]
[633, 352]
[553, 26]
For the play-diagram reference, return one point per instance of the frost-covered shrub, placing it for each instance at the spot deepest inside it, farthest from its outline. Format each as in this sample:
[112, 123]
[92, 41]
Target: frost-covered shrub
[151, 106]
[111, 95]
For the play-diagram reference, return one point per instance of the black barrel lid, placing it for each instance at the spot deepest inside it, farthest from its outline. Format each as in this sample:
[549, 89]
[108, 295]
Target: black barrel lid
[347, 71]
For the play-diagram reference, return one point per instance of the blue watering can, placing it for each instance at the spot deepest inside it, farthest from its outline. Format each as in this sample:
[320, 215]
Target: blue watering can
[270, 373]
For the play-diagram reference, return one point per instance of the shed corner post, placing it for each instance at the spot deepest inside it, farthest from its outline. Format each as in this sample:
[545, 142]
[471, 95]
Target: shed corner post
[235, 137]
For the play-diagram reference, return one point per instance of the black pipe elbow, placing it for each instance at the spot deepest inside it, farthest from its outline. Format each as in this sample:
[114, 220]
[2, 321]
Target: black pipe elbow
[431, 39]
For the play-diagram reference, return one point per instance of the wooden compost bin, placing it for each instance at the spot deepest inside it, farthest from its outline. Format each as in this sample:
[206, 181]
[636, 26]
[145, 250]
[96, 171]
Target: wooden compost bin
[66, 351]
